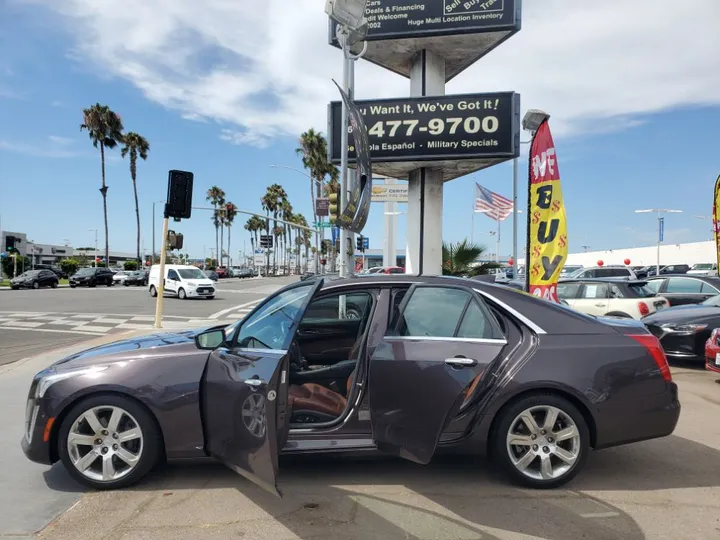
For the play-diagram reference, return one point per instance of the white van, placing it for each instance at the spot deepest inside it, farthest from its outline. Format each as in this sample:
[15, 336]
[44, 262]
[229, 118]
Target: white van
[182, 281]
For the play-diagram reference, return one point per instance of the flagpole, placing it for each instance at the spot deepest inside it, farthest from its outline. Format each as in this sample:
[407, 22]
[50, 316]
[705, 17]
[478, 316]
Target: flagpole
[497, 243]
[472, 226]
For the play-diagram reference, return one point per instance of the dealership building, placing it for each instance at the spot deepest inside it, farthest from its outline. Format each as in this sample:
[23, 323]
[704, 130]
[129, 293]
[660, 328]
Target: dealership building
[54, 253]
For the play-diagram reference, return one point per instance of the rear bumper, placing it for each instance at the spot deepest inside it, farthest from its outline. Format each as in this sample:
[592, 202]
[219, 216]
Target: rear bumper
[710, 365]
[648, 417]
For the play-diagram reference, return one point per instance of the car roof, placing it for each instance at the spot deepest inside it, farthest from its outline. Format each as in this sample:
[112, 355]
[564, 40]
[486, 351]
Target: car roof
[711, 279]
[609, 279]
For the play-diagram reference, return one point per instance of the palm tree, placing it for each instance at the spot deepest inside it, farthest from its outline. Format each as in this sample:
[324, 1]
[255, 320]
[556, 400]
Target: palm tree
[135, 145]
[271, 203]
[231, 210]
[216, 196]
[304, 236]
[458, 259]
[105, 130]
[286, 214]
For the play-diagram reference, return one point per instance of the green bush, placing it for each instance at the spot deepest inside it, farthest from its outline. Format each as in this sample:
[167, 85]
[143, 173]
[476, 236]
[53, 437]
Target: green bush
[130, 265]
[69, 266]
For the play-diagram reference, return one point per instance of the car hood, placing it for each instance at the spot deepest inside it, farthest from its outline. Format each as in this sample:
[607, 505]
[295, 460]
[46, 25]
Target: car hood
[682, 314]
[149, 347]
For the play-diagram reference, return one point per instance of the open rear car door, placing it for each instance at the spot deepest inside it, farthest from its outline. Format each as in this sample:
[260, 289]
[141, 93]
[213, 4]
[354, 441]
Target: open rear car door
[245, 391]
[429, 367]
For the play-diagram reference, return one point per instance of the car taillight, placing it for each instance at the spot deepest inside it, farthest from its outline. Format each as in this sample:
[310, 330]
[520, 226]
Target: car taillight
[652, 344]
[715, 337]
[644, 310]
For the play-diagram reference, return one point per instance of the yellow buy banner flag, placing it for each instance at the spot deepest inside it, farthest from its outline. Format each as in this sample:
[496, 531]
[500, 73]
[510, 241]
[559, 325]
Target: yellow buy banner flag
[547, 245]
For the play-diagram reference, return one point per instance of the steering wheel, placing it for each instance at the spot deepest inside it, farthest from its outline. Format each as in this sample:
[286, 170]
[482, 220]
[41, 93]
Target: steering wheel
[297, 362]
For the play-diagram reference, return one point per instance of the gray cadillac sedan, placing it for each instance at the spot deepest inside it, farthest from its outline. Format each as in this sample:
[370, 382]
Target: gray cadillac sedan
[403, 365]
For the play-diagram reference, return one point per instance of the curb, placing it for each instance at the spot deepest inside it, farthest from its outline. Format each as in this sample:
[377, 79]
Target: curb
[4, 288]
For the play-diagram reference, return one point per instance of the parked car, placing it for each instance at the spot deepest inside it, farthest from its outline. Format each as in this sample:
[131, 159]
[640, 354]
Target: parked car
[34, 279]
[120, 276]
[616, 271]
[675, 269]
[611, 297]
[243, 273]
[221, 272]
[211, 275]
[389, 270]
[640, 271]
[682, 290]
[182, 281]
[92, 277]
[433, 364]
[703, 269]
[684, 330]
[56, 269]
[138, 277]
[568, 269]
[712, 351]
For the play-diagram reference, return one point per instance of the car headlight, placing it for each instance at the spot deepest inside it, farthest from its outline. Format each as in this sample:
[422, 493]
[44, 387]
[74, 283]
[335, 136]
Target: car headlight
[48, 380]
[678, 328]
[192, 284]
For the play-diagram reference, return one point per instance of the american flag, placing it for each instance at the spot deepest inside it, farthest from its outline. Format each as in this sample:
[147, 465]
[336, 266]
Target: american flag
[491, 204]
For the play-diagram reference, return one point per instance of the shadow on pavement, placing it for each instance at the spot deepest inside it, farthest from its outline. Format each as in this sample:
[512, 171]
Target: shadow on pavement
[386, 498]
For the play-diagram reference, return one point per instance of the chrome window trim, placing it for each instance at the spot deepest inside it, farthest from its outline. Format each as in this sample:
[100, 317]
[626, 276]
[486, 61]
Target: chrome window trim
[534, 327]
[489, 341]
[261, 351]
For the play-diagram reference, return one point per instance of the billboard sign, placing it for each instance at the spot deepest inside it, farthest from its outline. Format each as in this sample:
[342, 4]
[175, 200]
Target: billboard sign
[434, 128]
[390, 193]
[471, 29]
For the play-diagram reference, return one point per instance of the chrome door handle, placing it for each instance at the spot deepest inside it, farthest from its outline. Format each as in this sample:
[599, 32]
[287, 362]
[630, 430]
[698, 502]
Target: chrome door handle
[254, 382]
[460, 362]
[599, 305]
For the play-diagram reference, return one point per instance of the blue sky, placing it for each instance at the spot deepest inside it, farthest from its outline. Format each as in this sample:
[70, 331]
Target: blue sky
[226, 101]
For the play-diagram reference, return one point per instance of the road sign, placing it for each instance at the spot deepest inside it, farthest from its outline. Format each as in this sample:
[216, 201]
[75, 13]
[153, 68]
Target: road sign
[335, 234]
[365, 242]
[266, 241]
[392, 22]
[322, 206]
[322, 224]
[390, 193]
[483, 129]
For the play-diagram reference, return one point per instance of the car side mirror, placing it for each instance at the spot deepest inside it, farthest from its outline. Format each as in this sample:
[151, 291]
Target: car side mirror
[210, 339]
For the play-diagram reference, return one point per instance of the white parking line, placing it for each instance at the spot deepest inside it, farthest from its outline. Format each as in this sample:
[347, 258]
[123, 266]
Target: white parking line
[234, 308]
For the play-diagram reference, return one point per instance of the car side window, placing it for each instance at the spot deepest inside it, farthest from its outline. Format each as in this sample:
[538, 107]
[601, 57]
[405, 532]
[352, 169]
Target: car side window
[616, 291]
[357, 306]
[475, 323]
[568, 290]
[433, 312]
[172, 274]
[595, 290]
[684, 285]
[654, 285]
[708, 289]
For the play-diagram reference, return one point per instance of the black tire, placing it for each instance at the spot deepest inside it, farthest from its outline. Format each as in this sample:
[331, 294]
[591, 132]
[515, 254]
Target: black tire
[110, 283]
[152, 448]
[35, 285]
[501, 453]
[54, 284]
[153, 291]
[182, 295]
[92, 284]
[73, 286]
[210, 297]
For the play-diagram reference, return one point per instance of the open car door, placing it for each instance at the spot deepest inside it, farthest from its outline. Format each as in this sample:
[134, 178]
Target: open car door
[429, 367]
[245, 388]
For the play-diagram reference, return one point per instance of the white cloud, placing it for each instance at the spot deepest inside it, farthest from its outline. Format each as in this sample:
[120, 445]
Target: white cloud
[42, 150]
[61, 141]
[264, 68]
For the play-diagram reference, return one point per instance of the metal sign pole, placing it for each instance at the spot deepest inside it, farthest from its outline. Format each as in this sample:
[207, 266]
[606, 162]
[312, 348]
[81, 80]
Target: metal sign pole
[342, 37]
[161, 277]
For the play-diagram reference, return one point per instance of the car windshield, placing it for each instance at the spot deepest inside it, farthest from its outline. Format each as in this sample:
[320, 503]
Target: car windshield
[191, 273]
[576, 273]
[702, 266]
[642, 290]
[30, 273]
[85, 271]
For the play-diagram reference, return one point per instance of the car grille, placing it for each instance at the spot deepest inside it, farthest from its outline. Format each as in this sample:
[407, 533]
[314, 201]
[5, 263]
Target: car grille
[205, 290]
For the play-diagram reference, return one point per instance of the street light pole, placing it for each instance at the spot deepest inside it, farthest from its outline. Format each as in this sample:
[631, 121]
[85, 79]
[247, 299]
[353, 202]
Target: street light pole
[657, 212]
[153, 229]
[96, 252]
[515, 212]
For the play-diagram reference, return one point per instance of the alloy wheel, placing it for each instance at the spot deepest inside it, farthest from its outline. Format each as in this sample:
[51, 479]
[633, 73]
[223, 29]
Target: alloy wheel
[253, 415]
[543, 442]
[105, 443]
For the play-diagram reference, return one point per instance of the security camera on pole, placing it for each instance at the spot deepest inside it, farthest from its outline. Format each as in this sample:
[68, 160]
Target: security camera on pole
[351, 29]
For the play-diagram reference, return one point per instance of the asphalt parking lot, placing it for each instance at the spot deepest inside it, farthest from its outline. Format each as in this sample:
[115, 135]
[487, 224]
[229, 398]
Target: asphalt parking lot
[663, 489]
[35, 321]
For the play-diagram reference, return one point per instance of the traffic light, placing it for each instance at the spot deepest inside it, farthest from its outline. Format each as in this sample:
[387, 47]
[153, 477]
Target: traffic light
[359, 243]
[10, 244]
[334, 208]
[174, 240]
[179, 198]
